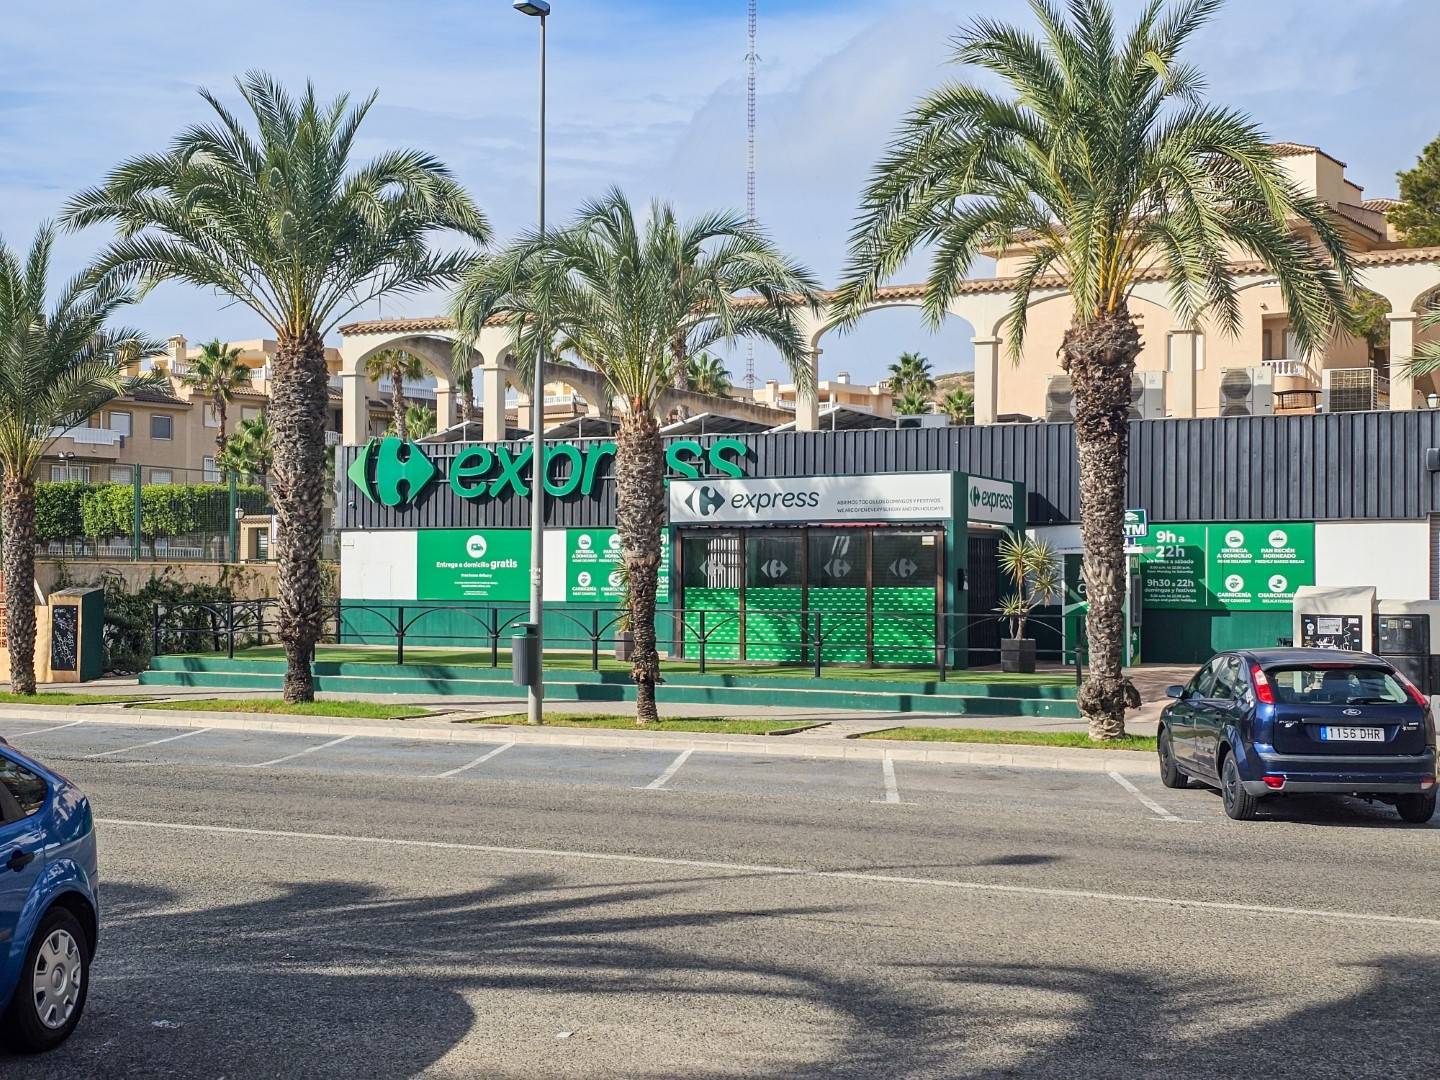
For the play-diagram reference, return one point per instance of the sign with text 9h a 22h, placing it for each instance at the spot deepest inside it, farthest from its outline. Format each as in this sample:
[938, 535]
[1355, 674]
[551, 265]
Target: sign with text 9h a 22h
[1225, 566]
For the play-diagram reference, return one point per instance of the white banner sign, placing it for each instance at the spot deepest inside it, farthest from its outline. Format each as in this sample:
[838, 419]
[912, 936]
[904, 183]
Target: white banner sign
[897, 497]
[990, 500]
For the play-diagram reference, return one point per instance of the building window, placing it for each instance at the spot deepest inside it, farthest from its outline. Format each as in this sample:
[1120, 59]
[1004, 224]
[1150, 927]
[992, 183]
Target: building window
[212, 474]
[212, 416]
[250, 412]
[162, 476]
[120, 422]
[122, 474]
[60, 473]
[162, 426]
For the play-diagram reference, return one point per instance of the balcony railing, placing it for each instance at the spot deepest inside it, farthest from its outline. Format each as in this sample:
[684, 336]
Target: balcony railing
[1288, 367]
[88, 436]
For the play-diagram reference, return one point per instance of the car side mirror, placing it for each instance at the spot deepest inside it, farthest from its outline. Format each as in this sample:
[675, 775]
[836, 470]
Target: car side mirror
[1175, 691]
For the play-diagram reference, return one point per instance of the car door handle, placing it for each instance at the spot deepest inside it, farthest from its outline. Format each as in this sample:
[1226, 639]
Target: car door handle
[19, 859]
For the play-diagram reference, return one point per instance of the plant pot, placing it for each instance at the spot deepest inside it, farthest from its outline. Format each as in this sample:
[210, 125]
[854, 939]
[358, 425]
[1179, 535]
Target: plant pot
[625, 646]
[1017, 655]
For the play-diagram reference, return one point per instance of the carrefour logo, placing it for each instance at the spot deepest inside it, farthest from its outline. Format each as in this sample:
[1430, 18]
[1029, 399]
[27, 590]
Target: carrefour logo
[704, 500]
[391, 471]
[991, 500]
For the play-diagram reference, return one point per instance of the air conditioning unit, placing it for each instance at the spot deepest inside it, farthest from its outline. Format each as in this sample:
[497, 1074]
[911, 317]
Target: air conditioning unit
[921, 420]
[1351, 389]
[1059, 400]
[1147, 395]
[1247, 391]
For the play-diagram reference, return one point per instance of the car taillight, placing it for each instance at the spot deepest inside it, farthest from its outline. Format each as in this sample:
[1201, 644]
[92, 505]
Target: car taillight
[1414, 691]
[1263, 692]
[1274, 783]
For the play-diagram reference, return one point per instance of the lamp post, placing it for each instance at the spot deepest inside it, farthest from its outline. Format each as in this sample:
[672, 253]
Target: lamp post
[539, 9]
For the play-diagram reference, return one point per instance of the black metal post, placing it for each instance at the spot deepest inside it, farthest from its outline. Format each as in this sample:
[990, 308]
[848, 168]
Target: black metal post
[594, 640]
[230, 618]
[400, 635]
[942, 653]
[494, 638]
[702, 641]
[818, 643]
[155, 627]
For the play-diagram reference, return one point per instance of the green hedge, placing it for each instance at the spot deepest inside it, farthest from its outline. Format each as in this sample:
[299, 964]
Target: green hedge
[70, 510]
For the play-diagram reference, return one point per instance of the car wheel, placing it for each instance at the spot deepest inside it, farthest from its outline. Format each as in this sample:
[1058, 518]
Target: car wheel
[1170, 774]
[1239, 803]
[50, 995]
[1416, 809]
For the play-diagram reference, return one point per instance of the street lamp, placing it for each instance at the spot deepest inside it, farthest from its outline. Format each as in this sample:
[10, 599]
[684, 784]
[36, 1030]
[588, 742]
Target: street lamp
[540, 9]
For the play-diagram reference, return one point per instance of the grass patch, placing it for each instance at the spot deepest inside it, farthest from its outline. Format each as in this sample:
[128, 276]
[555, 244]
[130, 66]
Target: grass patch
[360, 710]
[569, 661]
[1069, 739]
[717, 725]
[54, 697]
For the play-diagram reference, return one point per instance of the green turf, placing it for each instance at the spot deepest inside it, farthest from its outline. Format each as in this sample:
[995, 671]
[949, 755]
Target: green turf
[53, 697]
[363, 710]
[1071, 739]
[383, 654]
[718, 726]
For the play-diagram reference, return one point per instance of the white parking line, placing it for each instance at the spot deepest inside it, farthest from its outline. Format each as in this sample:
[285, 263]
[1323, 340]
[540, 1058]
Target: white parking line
[1144, 799]
[41, 731]
[471, 764]
[300, 753]
[863, 876]
[666, 776]
[892, 789]
[152, 742]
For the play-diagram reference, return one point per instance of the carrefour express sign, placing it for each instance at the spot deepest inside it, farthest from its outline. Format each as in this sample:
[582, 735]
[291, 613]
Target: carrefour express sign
[395, 472]
[894, 497]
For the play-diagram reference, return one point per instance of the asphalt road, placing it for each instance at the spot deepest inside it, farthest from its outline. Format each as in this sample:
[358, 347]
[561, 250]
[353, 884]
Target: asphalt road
[293, 906]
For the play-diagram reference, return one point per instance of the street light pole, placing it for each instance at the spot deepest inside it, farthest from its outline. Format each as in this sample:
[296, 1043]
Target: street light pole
[536, 696]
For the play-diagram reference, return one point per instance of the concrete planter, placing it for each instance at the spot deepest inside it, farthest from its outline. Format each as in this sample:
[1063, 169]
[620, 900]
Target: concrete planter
[624, 646]
[1017, 655]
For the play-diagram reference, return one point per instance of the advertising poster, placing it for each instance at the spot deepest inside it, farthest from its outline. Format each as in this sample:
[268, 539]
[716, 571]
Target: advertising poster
[1240, 567]
[592, 566]
[473, 564]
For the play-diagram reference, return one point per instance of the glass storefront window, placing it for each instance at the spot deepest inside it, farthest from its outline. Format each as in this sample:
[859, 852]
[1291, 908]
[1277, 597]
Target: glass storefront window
[774, 560]
[712, 561]
[837, 558]
[905, 559]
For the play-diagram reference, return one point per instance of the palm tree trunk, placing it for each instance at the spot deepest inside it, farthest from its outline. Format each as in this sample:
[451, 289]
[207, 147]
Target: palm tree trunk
[1100, 358]
[220, 415]
[297, 415]
[19, 509]
[397, 403]
[640, 515]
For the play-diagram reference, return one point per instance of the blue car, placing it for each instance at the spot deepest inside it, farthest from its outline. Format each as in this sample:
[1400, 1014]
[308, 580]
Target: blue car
[49, 914]
[1264, 723]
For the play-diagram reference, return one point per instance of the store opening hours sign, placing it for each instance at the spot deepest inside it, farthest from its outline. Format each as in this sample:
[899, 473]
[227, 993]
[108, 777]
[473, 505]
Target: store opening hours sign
[1227, 566]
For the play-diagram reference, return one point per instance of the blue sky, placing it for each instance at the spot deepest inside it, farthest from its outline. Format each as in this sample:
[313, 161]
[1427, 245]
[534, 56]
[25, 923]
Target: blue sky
[645, 94]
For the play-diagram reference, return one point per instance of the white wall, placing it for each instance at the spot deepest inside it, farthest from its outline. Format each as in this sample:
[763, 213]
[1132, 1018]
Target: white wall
[378, 565]
[1391, 556]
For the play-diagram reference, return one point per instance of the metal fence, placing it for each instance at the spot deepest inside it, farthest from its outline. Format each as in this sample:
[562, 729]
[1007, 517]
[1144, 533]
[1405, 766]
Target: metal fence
[805, 640]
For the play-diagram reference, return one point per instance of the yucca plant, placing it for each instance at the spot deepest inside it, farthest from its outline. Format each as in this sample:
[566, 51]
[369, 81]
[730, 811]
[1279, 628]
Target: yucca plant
[1035, 576]
[276, 217]
[1099, 162]
[603, 290]
[58, 364]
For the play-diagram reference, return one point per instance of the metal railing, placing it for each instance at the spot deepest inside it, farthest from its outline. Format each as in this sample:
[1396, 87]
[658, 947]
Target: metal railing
[806, 640]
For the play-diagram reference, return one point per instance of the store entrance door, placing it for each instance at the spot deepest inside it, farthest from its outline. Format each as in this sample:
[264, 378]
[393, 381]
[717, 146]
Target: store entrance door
[982, 576]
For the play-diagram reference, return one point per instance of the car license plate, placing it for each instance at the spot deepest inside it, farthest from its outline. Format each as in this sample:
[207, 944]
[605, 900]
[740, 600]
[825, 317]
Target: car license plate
[1352, 734]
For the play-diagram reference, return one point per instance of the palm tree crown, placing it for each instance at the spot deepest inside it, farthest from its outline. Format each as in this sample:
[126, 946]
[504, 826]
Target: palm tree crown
[217, 375]
[911, 371]
[248, 452]
[1104, 166]
[707, 375]
[397, 365]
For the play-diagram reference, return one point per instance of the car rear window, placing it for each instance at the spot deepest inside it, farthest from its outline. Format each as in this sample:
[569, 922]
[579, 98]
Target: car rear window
[1339, 684]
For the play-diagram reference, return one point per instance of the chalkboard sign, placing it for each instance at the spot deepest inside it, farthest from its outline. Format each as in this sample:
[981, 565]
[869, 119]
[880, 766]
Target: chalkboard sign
[64, 637]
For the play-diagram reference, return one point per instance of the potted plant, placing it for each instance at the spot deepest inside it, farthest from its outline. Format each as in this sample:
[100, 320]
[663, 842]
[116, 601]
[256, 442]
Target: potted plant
[1037, 579]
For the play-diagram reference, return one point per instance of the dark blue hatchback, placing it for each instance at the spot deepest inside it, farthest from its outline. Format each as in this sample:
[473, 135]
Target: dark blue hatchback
[1263, 723]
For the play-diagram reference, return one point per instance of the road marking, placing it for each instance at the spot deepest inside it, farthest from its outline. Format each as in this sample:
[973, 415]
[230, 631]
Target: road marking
[300, 753]
[152, 742]
[665, 777]
[471, 764]
[41, 731]
[892, 789]
[1144, 799]
[786, 871]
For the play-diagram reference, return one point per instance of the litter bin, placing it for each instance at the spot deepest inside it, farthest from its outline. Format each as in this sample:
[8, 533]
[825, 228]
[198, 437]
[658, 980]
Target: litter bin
[525, 655]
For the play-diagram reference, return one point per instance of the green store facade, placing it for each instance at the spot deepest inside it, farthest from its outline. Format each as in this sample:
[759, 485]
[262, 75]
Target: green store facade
[888, 537]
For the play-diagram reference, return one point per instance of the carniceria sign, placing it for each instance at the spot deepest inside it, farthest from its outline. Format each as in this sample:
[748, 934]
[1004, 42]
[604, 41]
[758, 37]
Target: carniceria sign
[395, 472]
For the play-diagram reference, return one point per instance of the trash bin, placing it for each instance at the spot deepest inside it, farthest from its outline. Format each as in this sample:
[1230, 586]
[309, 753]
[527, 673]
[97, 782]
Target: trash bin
[525, 655]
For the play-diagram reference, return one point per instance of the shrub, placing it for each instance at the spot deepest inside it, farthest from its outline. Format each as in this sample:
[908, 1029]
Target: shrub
[57, 510]
[165, 509]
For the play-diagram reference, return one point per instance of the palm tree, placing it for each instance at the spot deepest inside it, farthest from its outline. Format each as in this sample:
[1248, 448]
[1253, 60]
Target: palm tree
[911, 401]
[959, 406]
[911, 371]
[707, 375]
[416, 420]
[465, 385]
[602, 290]
[56, 368]
[217, 376]
[277, 219]
[397, 365]
[1101, 164]
[248, 452]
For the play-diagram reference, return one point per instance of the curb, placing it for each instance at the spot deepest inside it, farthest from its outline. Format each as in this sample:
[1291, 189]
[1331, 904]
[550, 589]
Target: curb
[993, 754]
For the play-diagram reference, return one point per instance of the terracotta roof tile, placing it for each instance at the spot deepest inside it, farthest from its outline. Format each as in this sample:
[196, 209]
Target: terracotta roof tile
[1381, 205]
